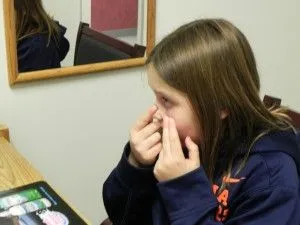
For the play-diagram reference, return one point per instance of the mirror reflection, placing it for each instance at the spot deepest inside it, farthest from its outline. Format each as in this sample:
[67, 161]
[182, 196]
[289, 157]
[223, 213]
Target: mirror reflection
[49, 36]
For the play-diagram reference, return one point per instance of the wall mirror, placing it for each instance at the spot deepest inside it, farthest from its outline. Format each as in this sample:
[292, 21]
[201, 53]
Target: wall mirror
[88, 36]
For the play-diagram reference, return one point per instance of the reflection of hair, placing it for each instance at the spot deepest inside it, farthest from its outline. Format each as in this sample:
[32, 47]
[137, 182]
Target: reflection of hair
[212, 62]
[31, 18]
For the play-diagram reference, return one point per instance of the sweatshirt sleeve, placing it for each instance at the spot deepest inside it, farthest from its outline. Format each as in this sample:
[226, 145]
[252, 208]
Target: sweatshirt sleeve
[128, 193]
[189, 200]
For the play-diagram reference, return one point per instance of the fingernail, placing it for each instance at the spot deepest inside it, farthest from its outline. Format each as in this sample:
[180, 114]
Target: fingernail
[155, 120]
[157, 116]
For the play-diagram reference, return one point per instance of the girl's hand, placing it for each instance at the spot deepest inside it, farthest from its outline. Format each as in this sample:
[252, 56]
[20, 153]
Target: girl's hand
[171, 162]
[145, 140]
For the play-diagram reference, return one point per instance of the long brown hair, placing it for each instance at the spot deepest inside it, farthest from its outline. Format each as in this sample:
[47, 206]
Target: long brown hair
[31, 18]
[212, 62]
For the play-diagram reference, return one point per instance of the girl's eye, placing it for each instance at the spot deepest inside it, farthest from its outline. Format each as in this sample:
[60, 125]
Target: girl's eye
[165, 102]
[164, 99]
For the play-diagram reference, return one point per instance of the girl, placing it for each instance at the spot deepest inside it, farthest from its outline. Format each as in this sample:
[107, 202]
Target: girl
[40, 40]
[222, 157]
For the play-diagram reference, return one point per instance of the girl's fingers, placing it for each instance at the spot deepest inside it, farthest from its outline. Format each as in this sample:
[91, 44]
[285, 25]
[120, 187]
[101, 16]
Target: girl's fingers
[145, 119]
[151, 141]
[148, 131]
[193, 149]
[175, 144]
[154, 151]
[166, 137]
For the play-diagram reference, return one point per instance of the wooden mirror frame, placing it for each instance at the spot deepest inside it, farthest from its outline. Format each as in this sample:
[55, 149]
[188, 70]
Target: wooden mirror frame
[12, 62]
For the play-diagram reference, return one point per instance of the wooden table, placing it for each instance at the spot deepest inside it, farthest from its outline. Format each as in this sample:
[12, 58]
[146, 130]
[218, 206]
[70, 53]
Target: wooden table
[15, 170]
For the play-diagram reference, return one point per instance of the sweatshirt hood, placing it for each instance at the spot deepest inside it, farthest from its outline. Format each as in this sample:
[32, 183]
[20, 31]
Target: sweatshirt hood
[287, 142]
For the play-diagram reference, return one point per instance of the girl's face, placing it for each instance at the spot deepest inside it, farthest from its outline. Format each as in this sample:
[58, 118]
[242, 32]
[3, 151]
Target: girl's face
[175, 104]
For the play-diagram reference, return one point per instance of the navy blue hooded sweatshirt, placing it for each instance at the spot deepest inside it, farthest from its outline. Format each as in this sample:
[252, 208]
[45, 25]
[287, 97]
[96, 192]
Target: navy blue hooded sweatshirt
[35, 53]
[266, 191]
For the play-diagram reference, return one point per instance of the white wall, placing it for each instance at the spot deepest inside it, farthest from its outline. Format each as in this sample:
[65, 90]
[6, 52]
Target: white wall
[68, 13]
[86, 11]
[73, 129]
[142, 22]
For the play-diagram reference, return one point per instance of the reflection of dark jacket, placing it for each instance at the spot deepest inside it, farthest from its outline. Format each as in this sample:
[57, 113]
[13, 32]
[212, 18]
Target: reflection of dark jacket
[266, 191]
[35, 53]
